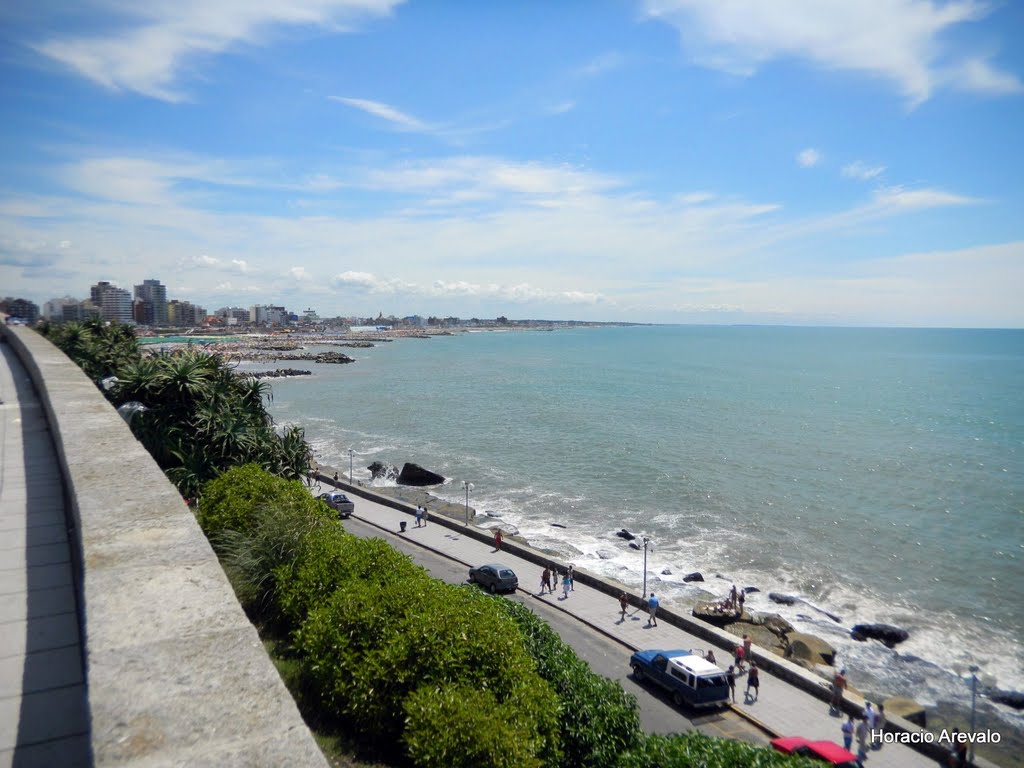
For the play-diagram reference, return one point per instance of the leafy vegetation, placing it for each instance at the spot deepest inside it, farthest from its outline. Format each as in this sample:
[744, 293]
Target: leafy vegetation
[199, 419]
[695, 750]
[600, 719]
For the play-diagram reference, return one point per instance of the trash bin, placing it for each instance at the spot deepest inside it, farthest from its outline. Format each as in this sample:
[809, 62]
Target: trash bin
[401, 526]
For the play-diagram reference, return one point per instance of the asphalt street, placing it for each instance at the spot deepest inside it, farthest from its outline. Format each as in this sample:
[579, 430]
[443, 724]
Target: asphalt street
[605, 656]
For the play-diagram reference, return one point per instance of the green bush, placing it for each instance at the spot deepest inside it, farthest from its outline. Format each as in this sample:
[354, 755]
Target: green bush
[328, 560]
[695, 750]
[455, 726]
[599, 719]
[229, 502]
[372, 644]
[274, 539]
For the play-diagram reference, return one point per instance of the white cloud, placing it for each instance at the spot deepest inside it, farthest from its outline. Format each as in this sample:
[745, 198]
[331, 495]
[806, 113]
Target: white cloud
[900, 198]
[154, 40]
[562, 107]
[859, 170]
[897, 40]
[240, 264]
[385, 112]
[300, 274]
[518, 293]
[808, 158]
[202, 260]
[599, 65]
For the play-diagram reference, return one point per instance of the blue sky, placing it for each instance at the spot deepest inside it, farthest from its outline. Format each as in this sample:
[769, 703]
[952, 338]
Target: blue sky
[711, 161]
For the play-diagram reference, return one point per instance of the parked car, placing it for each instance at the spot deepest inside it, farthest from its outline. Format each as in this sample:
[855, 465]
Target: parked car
[690, 678]
[495, 577]
[827, 751]
[340, 502]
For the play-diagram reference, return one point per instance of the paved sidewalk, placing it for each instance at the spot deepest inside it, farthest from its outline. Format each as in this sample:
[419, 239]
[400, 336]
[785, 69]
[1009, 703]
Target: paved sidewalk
[781, 707]
[44, 718]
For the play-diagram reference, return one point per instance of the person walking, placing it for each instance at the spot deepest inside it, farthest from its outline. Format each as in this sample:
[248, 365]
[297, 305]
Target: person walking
[732, 597]
[425, 515]
[730, 675]
[652, 606]
[545, 577]
[838, 687]
[739, 659]
[335, 479]
[419, 516]
[848, 733]
[879, 729]
[572, 579]
[497, 540]
[566, 586]
[753, 681]
[862, 739]
[554, 580]
[742, 599]
[623, 605]
[747, 642]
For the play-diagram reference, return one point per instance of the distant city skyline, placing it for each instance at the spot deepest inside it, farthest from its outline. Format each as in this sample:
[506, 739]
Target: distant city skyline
[691, 161]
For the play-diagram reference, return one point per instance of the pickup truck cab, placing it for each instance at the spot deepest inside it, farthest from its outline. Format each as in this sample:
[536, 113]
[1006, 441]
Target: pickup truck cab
[338, 502]
[688, 677]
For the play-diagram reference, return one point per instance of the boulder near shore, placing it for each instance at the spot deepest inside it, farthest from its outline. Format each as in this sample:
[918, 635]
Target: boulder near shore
[414, 474]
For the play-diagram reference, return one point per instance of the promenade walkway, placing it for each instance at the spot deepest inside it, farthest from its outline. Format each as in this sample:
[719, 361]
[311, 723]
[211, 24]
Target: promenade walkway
[44, 717]
[781, 707]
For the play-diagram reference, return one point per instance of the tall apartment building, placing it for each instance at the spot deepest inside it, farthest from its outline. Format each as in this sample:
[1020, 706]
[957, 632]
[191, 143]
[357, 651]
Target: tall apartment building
[184, 314]
[153, 298]
[233, 315]
[115, 303]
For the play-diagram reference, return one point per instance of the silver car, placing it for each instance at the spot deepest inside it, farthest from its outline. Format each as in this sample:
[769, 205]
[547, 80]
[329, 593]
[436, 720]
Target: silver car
[495, 577]
[340, 502]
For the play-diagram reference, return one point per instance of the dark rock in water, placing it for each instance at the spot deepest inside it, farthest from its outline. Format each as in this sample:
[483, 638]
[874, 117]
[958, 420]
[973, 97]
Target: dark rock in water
[605, 554]
[695, 576]
[557, 525]
[1013, 699]
[666, 572]
[885, 633]
[713, 613]
[624, 534]
[414, 474]
[777, 597]
[751, 590]
[386, 471]
[634, 545]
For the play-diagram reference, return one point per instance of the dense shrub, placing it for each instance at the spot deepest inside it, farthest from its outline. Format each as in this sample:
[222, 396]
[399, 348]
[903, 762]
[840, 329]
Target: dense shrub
[695, 750]
[373, 644]
[230, 501]
[599, 719]
[328, 560]
[455, 726]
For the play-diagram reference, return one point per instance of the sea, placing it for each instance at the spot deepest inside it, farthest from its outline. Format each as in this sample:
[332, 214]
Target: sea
[877, 474]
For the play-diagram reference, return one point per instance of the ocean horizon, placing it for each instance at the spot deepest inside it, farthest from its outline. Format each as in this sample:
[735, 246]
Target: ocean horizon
[876, 473]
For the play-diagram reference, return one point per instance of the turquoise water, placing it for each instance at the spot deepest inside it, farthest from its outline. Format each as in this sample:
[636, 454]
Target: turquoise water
[878, 473]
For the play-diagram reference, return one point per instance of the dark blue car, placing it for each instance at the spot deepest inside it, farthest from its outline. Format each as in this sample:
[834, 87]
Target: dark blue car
[690, 678]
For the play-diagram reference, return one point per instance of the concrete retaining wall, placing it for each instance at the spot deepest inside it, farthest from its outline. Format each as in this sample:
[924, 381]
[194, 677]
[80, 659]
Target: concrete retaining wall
[176, 674]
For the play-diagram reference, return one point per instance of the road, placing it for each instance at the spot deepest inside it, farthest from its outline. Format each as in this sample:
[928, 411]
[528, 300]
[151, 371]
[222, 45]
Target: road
[605, 656]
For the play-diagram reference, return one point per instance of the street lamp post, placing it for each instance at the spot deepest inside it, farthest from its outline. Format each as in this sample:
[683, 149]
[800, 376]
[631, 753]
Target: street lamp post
[350, 454]
[643, 592]
[974, 701]
[469, 487]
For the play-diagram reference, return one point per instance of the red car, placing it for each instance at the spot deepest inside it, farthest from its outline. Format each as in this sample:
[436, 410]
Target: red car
[828, 751]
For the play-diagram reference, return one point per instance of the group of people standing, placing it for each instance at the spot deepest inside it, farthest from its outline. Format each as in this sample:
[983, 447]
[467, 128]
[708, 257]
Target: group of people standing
[865, 729]
[549, 581]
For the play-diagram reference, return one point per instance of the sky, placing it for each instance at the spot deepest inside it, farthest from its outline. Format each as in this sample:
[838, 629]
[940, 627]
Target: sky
[832, 162]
